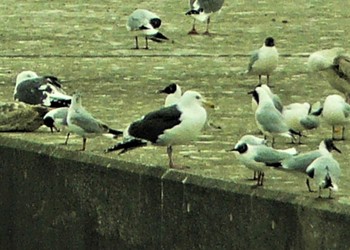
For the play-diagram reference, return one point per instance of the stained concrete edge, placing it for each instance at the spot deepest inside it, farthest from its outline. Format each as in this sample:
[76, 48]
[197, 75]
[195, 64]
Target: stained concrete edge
[155, 206]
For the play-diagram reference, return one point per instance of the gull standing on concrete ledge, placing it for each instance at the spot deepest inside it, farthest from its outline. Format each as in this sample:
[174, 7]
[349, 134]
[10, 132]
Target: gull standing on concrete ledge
[268, 119]
[326, 172]
[301, 117]
[264, 60]
[147, 23]
[201, 11]
[46, 90]
[173, 125]
[336, 112]
[300, 162]
[277, 102]
[82, 123]
[259, 157]
[56, 119]
[252, 140]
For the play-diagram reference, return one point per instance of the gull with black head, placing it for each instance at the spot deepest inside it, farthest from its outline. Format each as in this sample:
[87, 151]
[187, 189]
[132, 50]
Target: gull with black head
[264, 60]
[146, 23]
[301, 161]
[259, 157]
[173, 92]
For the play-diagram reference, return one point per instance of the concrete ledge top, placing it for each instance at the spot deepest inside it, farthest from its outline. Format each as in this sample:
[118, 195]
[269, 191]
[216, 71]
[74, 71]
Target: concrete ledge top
[186, 178]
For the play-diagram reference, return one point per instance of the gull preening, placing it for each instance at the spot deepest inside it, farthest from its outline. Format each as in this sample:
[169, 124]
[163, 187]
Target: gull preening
[264, 60]
[44, 90]
[146, 23]
[82, 123]
[201, 10]
[178, 124]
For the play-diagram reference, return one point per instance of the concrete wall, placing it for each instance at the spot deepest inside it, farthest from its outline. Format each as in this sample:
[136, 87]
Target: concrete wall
[57, 199]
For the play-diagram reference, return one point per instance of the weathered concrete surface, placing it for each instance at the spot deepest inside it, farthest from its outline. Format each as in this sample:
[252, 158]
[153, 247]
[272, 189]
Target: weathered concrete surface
[86, 45]
[54, 199]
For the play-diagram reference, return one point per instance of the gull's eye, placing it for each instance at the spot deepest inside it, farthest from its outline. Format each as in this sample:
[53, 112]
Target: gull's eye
[198, 97]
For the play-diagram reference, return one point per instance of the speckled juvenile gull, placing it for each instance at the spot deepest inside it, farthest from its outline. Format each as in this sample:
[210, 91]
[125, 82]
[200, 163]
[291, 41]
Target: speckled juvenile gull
[325, 170]
[259, 157]
[173, 125]
[21, 117]
[336, 112]
[173, 92]
[334, 66]
[46, 90]
[146, 23]
[268, 119]
[82, 123]
[264, 60]
[301, 161]
[201, 10]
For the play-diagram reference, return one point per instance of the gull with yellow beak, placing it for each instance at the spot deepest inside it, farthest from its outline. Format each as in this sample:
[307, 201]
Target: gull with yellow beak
[178, 124]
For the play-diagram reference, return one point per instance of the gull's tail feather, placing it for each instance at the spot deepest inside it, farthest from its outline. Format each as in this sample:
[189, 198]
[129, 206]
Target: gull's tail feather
[126, 146]
[115, 132]
[58, 103]
[112, 133]
[158, 37]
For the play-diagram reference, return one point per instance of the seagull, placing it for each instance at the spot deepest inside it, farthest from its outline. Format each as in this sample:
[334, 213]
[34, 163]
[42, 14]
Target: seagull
[173, 92]
[258, 157]
[21, 117]
[277, 102]
[264, 60]
[338, 75]
[57, 119]
[268, 119]
[334, 65]
[201, 10]
[252, 140]
[326, 172]
[301, 117]
[300, 162]
[173, 125]
[147, 23]
[336, 112]
[323, 59]
[82, 123]
[46, 90]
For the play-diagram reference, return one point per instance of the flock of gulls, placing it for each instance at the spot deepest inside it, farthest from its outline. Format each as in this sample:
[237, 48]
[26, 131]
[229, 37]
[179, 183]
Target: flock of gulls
[40, 100]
